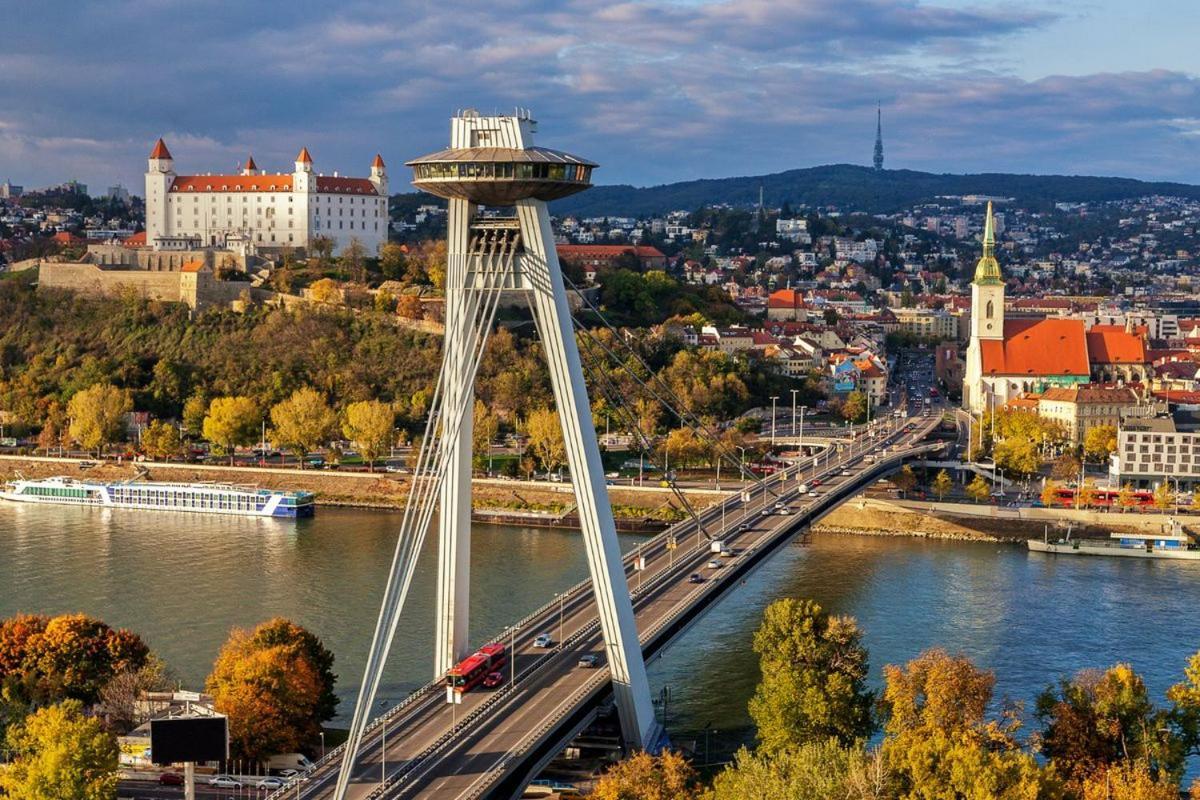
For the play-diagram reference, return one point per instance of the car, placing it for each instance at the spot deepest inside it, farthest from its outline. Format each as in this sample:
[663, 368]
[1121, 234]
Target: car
[766, 512]
[816, 482]
[845, 472]
[714, 564]
[778, 504]
[493, 679]
[544, 640]
[270, 783]
[224, 782]
[695, 577]
[784, 512]
[170, 779]
[589, 661]
[288, 774]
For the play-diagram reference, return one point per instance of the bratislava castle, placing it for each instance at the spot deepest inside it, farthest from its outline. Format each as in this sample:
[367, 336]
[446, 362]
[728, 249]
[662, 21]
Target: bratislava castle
[261, 209]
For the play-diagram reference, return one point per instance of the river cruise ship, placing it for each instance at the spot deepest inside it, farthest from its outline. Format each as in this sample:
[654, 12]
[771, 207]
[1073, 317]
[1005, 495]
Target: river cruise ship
[203, 498]
[1170, 542]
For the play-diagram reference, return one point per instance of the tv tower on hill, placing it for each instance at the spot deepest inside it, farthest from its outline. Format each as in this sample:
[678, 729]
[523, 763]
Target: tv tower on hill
[878, 138]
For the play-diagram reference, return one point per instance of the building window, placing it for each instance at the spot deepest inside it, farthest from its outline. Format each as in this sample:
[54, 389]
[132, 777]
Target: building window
[989, 311]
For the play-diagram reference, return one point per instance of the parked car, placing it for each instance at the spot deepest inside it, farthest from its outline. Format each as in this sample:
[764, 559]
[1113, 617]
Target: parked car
[543, 640]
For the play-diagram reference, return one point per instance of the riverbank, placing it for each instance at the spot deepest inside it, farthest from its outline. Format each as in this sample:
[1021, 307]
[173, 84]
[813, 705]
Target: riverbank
[542, 504]
[959, 521]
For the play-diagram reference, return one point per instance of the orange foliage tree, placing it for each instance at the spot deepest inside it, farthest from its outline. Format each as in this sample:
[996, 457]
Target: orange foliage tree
[276, 685]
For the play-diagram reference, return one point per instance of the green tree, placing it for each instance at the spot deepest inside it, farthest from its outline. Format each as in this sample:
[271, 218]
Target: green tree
[59, 754]
[855, 407]
[645, 777]
[1184, 697]
[814, 670]
[392, 261]
[97, 415]
[1099, 443]
[302, 422]
[370, 425]
[942, 484]
[231, 422]
[979, 490]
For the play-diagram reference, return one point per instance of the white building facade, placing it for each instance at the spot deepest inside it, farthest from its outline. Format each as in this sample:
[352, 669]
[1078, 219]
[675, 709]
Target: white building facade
[262, 209]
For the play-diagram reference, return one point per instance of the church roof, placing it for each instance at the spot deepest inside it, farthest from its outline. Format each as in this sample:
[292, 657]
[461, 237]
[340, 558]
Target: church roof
[1111, 344]
[988, 269]
[160, 150]
[1037, 347]
[250, 163]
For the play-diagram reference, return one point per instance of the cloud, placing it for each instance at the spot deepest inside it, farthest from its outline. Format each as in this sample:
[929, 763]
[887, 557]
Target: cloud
[656, 90]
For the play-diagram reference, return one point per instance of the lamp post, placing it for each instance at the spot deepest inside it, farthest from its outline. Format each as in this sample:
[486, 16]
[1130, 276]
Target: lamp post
[512, 648]
[562, 599]
[794, 393]
[322, 744]
[774, 397]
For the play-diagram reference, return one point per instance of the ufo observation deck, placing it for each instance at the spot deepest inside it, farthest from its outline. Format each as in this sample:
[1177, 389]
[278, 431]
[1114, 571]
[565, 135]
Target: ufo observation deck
[500, 176]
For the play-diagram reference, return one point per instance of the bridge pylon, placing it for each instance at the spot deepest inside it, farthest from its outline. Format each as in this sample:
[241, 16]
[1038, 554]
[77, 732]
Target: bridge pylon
[493, 162]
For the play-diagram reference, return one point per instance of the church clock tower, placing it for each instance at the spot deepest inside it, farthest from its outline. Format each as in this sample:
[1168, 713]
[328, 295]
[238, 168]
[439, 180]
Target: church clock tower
[987, 315]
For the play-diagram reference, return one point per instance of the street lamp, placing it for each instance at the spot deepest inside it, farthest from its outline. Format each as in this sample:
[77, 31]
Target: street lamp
[794, 393]
[562, 599]
[774, 397]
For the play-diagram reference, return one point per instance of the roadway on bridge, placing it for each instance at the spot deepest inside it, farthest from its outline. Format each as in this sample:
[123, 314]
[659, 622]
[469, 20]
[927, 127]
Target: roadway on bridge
[434, 749]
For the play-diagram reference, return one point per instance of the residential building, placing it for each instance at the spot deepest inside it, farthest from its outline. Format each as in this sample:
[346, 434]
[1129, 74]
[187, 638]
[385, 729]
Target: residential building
[1152, 450]
[1080, 408]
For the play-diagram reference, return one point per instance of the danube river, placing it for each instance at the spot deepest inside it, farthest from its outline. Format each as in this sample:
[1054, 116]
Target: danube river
[182, 581]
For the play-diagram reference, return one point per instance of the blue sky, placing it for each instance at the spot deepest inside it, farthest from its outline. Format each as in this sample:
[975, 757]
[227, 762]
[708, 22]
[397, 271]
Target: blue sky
[654, 90]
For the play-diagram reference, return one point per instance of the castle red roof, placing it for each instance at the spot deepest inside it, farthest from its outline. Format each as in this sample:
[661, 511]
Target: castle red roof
[607, 251]
[378, 162]
[1036, 347]
[268, 183]
[304, 157]
[160, 150]
[250, 163]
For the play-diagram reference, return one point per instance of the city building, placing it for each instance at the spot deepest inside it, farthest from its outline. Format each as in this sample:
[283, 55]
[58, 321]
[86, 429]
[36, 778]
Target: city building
[267, 210]
[926, 323]
[1080, 408]
[1152, 450]
[1009, 357]
[594, 256]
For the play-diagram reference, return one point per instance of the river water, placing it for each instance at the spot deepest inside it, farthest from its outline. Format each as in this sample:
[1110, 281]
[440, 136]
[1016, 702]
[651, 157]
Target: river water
[182, 581]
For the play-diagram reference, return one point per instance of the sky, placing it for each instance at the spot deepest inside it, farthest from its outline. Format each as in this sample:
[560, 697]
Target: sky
[654, 90]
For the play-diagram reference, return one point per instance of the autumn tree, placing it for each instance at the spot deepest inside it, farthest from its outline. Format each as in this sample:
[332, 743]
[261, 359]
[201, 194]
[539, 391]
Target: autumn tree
[645, 777]
[814, 671]
[1185, 705]
[326, 291]
[302, 422]
[817, 770]
[1130, 781]
[1086, 496]
[979, 489]
[855, 407]
[683, 448]
[484, 427]
[54, 432]
[1164, 498]
[392, 260]
[1099, 443]
[1126, 499]
[904, 480]
[354, 259]
[942, 484]
[195, 409]
[161, 440]
[1066, 468]
[409, 306]
[1017, 456]
[370, 426]
[276, 686]
[119, 696]
[940, 744]
[545, 433]
[1049, 496]
[57, 753]
[1098, 720]
[231, 422]
[97, 415]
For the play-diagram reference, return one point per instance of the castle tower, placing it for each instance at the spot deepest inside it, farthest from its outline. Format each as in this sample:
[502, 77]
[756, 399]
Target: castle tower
[379, 176]
[249, 168]
[987, 315]
[878, 138]
[304, 184]
[160, 174]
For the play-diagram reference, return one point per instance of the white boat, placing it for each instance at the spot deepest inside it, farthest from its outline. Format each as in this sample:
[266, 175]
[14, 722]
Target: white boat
[1170, 542]
[203, 498]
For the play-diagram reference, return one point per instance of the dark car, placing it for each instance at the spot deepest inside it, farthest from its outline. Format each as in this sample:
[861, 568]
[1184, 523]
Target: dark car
[589, 661]
[695, 577]
[170, 779]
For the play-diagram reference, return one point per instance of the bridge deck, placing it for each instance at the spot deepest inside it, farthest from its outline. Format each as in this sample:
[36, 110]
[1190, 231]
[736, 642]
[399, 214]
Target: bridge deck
[434, 749]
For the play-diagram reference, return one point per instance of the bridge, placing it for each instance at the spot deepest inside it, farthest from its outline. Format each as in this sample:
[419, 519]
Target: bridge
[496, 741]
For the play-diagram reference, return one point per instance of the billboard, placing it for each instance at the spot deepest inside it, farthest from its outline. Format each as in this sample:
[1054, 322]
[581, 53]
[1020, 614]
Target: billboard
[177, 739]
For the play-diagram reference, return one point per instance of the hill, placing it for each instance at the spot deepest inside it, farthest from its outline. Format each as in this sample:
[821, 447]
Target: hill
[856, 188]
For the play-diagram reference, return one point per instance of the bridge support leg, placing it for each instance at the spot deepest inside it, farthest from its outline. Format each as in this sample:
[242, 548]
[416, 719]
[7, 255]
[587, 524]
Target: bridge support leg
[631, 689]
[454, 523]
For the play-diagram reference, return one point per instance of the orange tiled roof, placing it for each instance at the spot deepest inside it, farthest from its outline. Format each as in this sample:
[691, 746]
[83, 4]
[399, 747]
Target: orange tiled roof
[267, 183]
[330, 184]
[304, 157]
[607, 250]
[137, 240]
[784, 298]
[1036, 347]
[160, 150]
[378, 162]
[192, 266]
[250, 163]
[1110, 344]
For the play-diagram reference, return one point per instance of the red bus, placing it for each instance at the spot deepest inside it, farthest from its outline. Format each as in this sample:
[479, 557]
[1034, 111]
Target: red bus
[469, 672]
[1105, 498]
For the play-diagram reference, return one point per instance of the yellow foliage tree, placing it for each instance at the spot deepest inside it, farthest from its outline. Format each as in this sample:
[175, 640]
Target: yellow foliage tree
[97, 415]
[546, 437]
[1130, 781]
[1100, 442]
[231, 422]
[646, 777]
[942, 484]
[302, 422]
[57, 753]
[161, 440]
[325, 290]
[370, 425]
